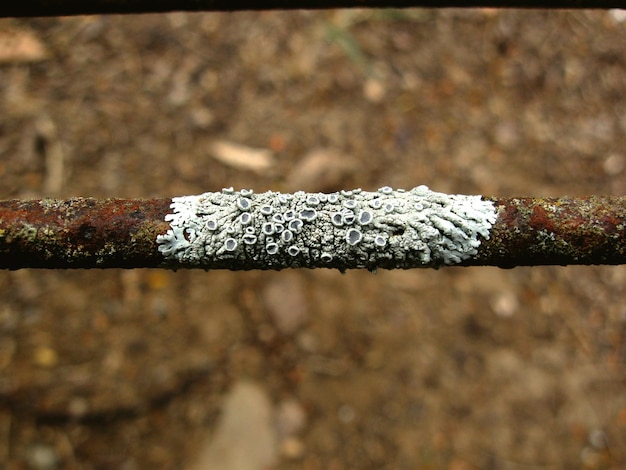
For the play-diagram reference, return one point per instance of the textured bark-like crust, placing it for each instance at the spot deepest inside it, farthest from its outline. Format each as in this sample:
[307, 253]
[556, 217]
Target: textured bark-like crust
[348, 229]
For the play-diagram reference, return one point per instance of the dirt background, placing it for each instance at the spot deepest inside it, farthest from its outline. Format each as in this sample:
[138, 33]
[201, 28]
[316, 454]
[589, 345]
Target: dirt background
[462, 368]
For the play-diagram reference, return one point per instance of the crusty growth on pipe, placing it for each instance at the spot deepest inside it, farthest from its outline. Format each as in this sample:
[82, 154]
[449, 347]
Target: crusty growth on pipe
[348, 229]
[237, 230]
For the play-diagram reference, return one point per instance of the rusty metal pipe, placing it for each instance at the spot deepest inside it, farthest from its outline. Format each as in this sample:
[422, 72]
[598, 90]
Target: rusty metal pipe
[556, 231]
[81, 233]
[29, 8]
[122, 233]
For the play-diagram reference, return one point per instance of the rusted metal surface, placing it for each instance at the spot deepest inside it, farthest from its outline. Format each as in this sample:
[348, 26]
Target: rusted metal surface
[81, 233]
[121, 233]
[27, 8]
[557, 231]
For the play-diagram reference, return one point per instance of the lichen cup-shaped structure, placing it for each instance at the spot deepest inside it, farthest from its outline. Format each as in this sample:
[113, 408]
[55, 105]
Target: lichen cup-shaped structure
[349, 229]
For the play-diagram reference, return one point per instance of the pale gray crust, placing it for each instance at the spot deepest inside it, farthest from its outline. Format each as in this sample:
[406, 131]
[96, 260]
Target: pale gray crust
[344, 230]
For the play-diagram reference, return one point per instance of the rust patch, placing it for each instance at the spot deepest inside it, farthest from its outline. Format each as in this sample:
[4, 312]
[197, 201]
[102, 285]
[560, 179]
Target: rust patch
[81, 233]
[560, 231]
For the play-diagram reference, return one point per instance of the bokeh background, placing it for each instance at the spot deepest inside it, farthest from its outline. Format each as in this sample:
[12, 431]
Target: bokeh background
[461, 368]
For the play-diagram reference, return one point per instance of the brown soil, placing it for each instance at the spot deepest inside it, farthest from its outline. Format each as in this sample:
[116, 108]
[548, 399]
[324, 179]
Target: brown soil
[460, 368]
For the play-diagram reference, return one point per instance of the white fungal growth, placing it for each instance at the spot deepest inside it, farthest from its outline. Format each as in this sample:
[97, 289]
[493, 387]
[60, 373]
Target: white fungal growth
[296, 225]
[308, 214]
[380, 241]
[365, 217]
[286, 236]
[268, 228]
[245, 218]
[348, 229]
[348, 217]
[376, 203]
[249, 239]
[337, 219]
[353, 236]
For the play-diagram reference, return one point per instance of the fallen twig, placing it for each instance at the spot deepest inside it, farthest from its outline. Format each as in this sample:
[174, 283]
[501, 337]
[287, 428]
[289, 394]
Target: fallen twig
[350, 229]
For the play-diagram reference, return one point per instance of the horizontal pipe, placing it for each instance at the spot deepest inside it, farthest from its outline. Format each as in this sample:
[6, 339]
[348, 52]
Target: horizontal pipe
[30, 8]
[385, 229]
[81, 233]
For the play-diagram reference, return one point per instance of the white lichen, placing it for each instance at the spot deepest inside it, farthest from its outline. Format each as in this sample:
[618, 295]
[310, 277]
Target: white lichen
[348, 229]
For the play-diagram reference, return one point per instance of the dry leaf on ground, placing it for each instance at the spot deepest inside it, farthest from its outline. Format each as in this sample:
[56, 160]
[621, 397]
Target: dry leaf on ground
[242, 157]
[321, 170]
[18, 46]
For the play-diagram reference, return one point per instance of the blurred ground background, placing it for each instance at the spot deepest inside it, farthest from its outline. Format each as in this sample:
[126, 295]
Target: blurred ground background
[462, 368]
